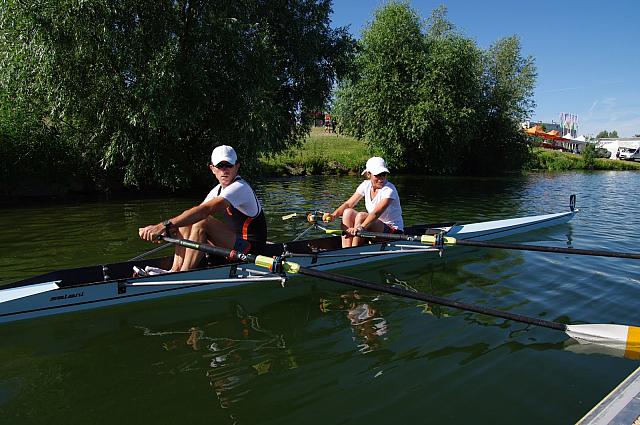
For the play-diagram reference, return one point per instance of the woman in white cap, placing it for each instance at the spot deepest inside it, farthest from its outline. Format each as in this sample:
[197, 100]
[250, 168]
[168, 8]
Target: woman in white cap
[384, 214]
[243, 226]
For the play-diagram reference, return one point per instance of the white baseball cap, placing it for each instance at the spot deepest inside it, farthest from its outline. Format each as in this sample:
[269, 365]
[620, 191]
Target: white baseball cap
[223, 153]
[375, 165]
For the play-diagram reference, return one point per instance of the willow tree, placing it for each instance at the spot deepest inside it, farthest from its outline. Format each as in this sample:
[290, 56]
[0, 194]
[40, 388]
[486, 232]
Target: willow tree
[143, 89]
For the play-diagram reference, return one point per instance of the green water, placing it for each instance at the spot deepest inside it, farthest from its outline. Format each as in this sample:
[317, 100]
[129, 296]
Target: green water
[315, 352]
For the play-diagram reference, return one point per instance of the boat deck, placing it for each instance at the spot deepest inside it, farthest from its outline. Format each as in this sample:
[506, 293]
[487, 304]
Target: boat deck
[620, 407]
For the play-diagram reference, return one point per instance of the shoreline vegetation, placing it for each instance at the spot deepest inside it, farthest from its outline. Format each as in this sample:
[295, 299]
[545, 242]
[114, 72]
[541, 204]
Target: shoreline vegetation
[319, 154]
[336, 154]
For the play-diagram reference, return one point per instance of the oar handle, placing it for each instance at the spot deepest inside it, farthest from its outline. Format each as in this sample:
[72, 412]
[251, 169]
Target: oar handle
[274, 264]
[311, 217]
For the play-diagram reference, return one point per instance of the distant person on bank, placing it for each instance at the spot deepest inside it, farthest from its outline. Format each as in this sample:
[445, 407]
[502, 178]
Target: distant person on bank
[241, 224]
[384, 214]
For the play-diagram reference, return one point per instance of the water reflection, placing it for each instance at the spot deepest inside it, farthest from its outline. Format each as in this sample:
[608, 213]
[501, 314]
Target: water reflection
[631, 353]
[367, 324]
[230, 354]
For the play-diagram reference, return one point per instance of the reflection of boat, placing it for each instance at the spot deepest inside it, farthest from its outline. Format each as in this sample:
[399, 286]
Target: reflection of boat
[99, 286]
[629, 352]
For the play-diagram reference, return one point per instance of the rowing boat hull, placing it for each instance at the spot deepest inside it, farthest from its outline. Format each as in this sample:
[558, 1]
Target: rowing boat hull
[111, 284]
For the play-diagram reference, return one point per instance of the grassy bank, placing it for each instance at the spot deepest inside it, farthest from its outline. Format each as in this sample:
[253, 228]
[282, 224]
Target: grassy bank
[331, 154]
[321, 153]
[553, 160]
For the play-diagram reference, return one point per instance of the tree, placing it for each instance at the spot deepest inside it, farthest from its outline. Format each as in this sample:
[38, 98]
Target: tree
[430, 100]
[604, 134]
[374, 102]
[507, 100]
[144, 89]
[589, 155]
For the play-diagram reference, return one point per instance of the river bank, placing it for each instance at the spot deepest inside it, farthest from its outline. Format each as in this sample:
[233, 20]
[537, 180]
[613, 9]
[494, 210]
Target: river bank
[335, 154]
[321, 153]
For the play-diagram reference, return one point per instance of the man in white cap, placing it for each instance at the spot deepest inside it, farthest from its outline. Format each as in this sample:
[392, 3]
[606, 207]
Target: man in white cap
[384, 214]
[243, 226]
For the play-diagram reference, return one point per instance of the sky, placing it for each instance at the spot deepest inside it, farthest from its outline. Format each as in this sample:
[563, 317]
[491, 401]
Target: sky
[587, 53]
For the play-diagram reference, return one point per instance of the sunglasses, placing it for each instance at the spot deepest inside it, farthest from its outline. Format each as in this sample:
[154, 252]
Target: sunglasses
[223, 165]
[381, 175]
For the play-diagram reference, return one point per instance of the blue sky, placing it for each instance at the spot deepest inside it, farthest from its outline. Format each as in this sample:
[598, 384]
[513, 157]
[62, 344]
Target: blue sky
[587, 53]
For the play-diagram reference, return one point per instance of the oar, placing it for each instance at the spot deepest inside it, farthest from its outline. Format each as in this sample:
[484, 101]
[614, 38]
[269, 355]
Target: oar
[311, 217]
[603, 334]
[447, 240]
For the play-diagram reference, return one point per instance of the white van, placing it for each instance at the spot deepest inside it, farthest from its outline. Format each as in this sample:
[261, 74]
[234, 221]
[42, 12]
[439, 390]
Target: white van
[630, 154]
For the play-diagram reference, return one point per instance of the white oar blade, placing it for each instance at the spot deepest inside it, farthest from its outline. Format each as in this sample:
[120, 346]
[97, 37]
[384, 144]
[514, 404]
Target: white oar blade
[11, 294]
[617, 335]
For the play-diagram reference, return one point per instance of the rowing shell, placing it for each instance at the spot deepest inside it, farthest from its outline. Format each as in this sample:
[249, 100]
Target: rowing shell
[100, 286]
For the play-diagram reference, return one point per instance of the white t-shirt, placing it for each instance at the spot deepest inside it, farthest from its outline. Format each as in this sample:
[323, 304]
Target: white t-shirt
[392, 216]
[240, 195]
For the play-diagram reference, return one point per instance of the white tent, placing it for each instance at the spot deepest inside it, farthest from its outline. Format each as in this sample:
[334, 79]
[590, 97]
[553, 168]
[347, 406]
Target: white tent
[577, 139]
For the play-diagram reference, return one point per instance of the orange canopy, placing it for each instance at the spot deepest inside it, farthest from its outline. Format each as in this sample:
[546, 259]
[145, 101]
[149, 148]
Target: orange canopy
[538, 131]
[534, 130]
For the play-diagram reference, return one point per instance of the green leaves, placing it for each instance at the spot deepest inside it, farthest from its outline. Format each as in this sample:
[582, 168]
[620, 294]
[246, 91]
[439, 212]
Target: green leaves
[144, 89]
[430, 100]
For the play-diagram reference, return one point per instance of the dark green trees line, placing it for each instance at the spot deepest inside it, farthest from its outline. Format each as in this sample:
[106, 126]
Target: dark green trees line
[137, 92]
[431, 101]
[106, 94]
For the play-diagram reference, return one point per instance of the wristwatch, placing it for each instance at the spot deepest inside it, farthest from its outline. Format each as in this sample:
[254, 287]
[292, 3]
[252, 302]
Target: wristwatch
[167, 226]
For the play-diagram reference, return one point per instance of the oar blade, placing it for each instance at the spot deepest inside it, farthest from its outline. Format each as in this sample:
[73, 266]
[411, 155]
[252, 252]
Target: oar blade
[604, 334]
[26, 291]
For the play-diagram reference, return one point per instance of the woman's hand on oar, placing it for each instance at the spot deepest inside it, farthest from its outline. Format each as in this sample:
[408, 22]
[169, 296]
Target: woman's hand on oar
[602, 334]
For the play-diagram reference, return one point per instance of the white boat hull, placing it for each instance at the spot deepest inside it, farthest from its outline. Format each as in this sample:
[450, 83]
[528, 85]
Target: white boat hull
[29, 303]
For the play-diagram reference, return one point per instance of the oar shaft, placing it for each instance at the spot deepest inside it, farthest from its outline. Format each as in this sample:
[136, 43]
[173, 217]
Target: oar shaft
[211, 249]
[597, 334]
[558, 250]
[292, 267]
[430, 239]
[430, 298]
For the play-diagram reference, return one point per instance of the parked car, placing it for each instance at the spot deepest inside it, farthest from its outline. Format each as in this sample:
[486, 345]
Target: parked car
[603, 153]
[630, 154]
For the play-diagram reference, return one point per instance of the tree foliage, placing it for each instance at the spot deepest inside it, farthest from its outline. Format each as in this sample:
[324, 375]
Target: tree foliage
[604, 134]
[430, 99]
[142, 90]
